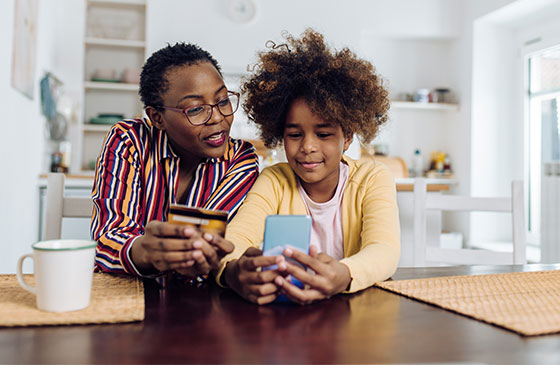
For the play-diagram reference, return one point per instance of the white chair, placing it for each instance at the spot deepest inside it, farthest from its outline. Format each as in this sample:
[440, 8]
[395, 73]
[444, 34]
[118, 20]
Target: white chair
[425, 253]
[59, 206]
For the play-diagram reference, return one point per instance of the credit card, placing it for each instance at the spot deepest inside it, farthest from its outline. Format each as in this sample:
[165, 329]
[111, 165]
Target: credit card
[205, 220]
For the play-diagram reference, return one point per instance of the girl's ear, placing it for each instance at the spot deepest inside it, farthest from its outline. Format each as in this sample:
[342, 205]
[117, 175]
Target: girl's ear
[156, 117]
[348, 141]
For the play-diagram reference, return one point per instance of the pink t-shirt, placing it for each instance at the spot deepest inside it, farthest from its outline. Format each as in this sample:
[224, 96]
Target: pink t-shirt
[326, 231]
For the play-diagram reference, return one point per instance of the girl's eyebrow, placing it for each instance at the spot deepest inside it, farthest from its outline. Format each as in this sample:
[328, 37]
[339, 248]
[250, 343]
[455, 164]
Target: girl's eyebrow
[196, 96]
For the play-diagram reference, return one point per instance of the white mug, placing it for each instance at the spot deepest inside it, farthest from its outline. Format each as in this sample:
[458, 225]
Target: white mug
[63, 271]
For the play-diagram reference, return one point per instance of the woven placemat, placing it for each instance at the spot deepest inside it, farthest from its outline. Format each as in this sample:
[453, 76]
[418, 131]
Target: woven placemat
[527, 303]
[114, 299]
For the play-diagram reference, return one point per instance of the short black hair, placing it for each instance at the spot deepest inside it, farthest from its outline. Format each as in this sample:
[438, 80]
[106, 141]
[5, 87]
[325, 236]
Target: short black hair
[153, 82]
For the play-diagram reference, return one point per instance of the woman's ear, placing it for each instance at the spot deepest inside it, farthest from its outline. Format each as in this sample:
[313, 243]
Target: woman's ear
[156, 117]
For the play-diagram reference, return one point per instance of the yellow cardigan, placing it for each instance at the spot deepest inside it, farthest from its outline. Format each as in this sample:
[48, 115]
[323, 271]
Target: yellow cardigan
[370, 218]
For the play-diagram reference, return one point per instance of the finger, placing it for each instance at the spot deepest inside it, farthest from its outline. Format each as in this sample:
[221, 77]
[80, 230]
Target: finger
[252, 252]
[313, 280]
[324, 258]
[176, 257]
[295, 294]
[168, 244]
[266, 299]
[263, 290]
[314, 264]
[166, 229]
[253, 263]
[208, 251]
[258, 277]
[182, 265]
[224, 246]
[313, 251]
[200, 262]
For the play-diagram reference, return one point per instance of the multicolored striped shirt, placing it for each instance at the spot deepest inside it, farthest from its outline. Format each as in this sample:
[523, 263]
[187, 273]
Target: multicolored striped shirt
[136, 180]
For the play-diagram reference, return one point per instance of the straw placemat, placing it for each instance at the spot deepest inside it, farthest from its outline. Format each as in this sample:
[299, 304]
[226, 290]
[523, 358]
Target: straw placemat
[113, 299]
[527, 303]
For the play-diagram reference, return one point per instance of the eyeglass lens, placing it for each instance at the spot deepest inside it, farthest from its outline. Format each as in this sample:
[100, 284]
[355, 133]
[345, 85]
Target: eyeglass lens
[201, 114]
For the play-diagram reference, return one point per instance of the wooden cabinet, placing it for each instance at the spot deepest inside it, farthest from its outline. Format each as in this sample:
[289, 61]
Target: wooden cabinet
[114, 52]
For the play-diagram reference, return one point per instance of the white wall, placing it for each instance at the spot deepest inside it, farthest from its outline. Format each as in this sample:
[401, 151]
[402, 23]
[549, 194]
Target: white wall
[22, 148]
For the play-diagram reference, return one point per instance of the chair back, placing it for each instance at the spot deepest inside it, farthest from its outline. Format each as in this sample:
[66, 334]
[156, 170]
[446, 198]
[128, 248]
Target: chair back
[423, 252]
[58, 206]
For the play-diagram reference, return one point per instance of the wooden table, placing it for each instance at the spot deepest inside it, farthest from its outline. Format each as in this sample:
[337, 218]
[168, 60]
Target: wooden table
[206, 324]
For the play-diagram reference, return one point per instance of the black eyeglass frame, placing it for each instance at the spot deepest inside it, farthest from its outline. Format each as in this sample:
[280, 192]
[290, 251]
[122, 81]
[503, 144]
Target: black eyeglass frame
[184, 111]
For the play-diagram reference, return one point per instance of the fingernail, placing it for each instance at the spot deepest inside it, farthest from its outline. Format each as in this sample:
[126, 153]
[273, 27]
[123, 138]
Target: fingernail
[188, 231]
[288, 252]
[189, 263]
[197, 244]
[197, 254]
[282, 266]
[208, 237]
[278, 281]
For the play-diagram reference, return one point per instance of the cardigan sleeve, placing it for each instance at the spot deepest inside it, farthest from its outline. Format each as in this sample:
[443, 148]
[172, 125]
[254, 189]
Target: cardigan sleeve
[379, 251]
[247, 227]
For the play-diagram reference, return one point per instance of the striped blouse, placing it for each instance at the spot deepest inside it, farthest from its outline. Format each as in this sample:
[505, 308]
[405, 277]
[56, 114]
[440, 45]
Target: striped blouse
[136, 180]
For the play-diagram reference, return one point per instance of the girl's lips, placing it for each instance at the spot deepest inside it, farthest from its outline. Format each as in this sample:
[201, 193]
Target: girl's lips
[309, 165]
[216, 139]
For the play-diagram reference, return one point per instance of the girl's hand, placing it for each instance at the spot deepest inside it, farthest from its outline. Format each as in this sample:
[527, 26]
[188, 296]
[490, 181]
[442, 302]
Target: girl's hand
[244, 277]
[165, 246]
[330, 278]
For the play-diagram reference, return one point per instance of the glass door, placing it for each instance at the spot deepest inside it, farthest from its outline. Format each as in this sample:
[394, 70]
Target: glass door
[543, 101]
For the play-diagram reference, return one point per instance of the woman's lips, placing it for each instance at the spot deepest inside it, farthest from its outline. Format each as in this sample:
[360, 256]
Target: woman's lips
[216, 139]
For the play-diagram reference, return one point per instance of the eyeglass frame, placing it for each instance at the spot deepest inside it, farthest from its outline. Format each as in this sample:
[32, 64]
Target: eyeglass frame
[184, 110]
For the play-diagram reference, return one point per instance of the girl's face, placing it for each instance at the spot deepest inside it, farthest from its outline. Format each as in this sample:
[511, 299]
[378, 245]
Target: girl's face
[314, 149]
[190, 86]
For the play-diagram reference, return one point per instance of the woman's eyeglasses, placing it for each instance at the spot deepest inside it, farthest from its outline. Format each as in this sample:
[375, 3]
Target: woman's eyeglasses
[200, 114]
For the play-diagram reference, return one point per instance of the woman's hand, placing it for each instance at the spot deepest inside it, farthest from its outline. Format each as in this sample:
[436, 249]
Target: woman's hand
[244, 277]
[330, 278]
[165, 246]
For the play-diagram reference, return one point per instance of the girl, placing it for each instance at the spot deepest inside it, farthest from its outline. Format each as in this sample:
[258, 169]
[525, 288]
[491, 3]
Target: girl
[314, 100]
[181, 153]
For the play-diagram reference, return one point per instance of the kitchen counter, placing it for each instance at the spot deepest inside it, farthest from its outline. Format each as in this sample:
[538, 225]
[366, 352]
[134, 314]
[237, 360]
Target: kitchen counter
[85, 181]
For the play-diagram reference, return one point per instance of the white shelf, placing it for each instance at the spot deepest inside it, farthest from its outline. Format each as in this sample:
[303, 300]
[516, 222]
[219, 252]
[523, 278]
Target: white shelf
[97, 128]
[424, 106]
[109, 42]
[118, 3]
[97, 85]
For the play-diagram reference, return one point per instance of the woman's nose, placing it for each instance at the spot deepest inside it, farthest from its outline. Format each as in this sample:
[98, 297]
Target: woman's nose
[216, 116]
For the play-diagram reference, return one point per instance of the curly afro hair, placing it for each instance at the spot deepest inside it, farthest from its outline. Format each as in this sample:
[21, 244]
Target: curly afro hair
[153, 80]
[337, 85]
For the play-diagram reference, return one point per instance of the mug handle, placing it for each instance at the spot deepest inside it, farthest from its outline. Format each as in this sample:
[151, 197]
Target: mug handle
[19, 275]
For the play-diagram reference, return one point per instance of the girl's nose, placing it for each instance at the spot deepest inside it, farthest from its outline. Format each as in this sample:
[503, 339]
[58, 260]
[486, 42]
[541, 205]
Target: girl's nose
[308, 145]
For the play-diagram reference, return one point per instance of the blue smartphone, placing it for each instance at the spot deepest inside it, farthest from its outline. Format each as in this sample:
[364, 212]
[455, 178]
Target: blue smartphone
[283, 231]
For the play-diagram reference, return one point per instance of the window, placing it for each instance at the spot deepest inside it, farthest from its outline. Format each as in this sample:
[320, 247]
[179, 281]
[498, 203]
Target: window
[543, 101]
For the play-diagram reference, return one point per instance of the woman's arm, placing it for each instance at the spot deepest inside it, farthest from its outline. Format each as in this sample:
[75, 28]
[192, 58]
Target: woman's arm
[118, 207]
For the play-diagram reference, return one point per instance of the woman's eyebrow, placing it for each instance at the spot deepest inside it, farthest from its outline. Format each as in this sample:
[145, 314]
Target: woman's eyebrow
[196, 96]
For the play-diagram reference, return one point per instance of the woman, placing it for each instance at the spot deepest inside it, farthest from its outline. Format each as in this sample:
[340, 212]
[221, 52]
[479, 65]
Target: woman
[181, 153]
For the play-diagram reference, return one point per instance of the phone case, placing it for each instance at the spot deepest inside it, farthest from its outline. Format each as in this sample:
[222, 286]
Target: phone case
[283, 231]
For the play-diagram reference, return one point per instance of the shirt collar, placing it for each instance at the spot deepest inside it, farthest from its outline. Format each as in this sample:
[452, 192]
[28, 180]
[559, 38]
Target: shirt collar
[165, 149]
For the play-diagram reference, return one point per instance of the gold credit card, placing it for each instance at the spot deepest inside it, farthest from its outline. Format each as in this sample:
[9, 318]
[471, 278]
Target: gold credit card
[205, 220]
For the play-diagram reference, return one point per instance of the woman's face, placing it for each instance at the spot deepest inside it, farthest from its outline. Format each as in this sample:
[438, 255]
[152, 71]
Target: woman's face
[314, 148]
[190, 86]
